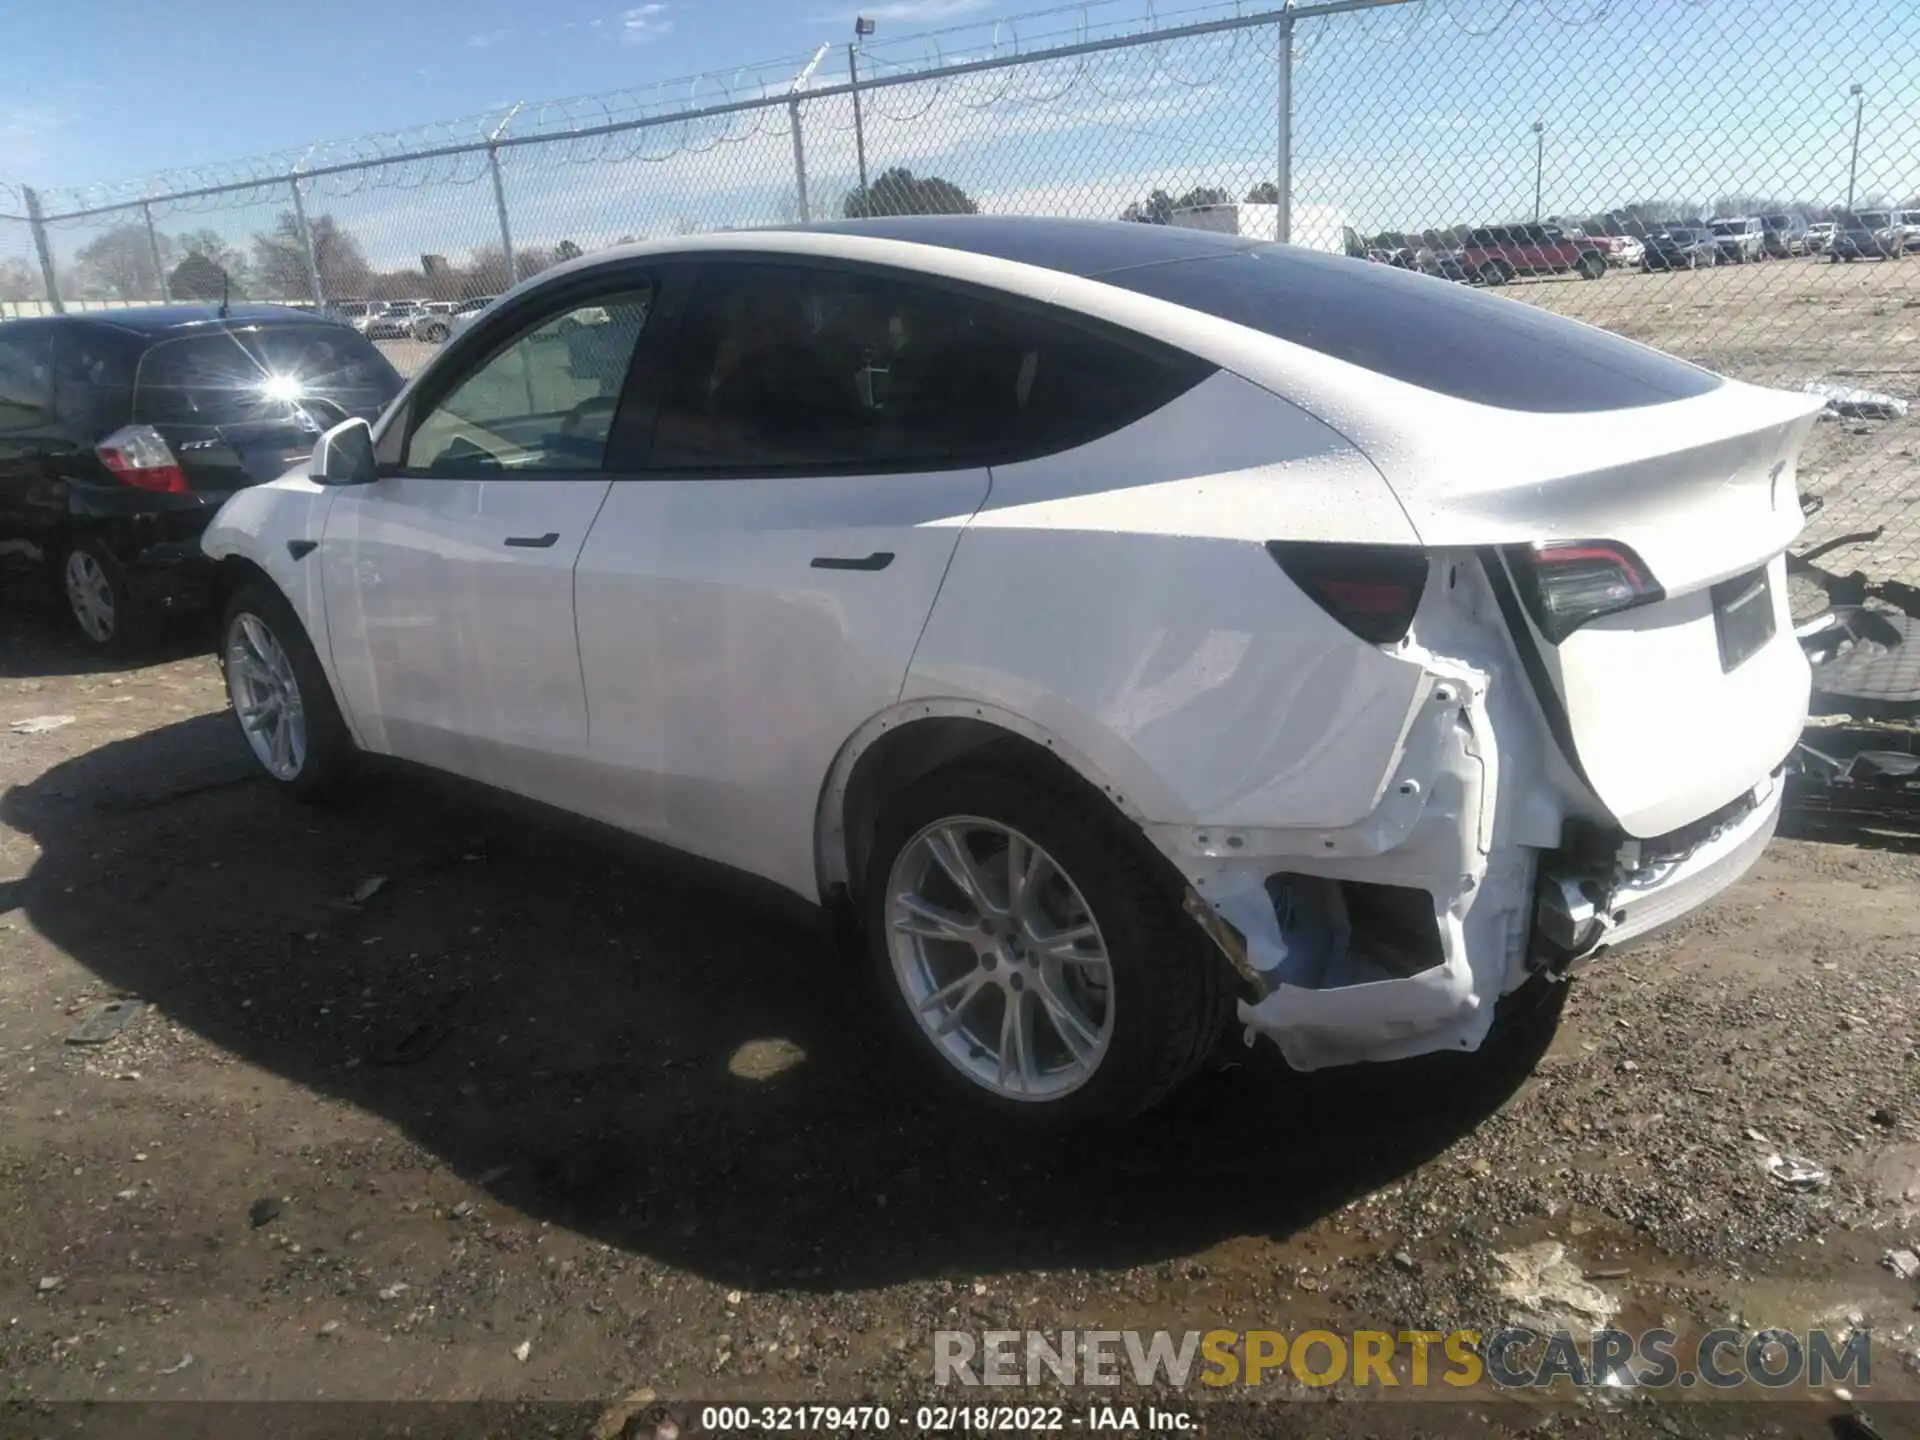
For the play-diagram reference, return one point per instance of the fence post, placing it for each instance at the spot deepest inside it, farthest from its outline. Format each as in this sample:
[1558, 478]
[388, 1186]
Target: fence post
[153, 249]
[859, 130]
[306, 243]
[799, 161]
[1283, 213]
[500, 208]
[37, 222]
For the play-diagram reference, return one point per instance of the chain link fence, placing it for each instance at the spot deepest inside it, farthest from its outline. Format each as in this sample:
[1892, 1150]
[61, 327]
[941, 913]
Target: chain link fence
[1748, 175]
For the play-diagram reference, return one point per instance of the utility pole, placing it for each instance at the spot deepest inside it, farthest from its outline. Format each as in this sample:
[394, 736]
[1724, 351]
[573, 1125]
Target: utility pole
[1539, 164]
[861, 27]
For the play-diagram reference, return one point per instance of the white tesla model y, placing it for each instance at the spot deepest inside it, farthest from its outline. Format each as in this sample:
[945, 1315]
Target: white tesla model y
[1139, 631]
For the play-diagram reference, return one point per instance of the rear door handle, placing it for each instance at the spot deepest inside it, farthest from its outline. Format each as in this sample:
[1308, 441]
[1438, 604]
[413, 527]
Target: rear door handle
[879, 560]
[533, 542]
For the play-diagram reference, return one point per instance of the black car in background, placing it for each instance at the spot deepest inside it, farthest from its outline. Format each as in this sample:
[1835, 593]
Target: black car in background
[122, 432]
[1681, 247]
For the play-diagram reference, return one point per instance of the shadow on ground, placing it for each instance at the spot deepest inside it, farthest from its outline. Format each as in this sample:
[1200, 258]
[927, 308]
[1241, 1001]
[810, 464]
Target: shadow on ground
[39, 641]
[664, 1061]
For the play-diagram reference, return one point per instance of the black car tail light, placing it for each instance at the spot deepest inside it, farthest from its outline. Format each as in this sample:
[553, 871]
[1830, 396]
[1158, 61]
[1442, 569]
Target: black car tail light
[1564, 585]
[1373, 590]
[138, 456]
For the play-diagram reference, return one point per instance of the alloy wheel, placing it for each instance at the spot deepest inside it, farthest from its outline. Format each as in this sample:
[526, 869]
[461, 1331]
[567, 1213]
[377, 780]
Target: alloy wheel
[1001, 961]
[266, 697]
[90, 595]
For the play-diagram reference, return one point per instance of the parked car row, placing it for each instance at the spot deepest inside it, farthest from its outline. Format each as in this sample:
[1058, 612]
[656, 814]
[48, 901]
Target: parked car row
[433, 321]
[1495, 255]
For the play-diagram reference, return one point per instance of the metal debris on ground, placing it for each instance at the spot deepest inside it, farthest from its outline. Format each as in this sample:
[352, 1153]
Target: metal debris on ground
[184, 1362]
[1903, 1263]
[1857, 404]
[106, 1022]
[40, 724]
[368, 888]
[50, 1283]
[1796, 1173]
[522, 1351]
[1549, 1292]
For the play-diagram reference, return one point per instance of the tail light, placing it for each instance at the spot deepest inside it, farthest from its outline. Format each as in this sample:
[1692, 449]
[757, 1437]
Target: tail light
[1373, 590]
[1565, 585]
[138, 456]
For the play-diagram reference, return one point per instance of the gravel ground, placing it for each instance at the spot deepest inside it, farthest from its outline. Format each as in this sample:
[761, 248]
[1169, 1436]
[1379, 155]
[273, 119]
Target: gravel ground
[438, 1097]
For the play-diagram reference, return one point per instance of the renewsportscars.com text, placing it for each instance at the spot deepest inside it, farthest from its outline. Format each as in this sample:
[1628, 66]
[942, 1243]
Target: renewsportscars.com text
[1511, 1359]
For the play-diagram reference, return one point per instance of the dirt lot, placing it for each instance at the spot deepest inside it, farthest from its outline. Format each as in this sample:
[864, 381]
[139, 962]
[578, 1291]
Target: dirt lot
[428, 1078]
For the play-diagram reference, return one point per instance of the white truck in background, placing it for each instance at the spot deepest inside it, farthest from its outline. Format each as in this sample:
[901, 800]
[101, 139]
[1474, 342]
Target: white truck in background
[1314, 227]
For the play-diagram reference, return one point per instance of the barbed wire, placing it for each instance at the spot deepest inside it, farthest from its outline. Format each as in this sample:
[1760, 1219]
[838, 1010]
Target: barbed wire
[748, 90]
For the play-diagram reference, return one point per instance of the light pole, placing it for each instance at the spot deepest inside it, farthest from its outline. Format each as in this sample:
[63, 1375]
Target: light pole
[1539, 163]
[862, 27]
[1853, 165]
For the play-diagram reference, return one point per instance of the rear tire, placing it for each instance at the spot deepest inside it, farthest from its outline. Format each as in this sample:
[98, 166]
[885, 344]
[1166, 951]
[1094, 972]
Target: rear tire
[105, 614]
[1495, 272]
[1592, 267]
[992, 1005]
[435, 334]
[280, 696]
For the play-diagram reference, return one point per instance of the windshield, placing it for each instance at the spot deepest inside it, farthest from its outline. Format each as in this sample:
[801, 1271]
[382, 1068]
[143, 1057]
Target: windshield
[1874, 219]
[1729, 227]
[231, 377]
[1779, 222]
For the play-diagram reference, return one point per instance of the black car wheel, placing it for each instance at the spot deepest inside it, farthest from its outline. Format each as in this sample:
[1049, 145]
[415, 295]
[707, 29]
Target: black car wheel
[105, 614]
[435, 333]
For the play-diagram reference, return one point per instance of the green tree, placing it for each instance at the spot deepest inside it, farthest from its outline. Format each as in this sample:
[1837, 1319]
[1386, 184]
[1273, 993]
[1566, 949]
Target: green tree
[118, 265]
[900, 192]
[1265, 193]
[199, 277]
[566, 250]
[1156, 209]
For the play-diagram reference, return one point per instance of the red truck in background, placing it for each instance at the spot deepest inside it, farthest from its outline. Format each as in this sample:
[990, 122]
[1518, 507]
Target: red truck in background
[1496, 254]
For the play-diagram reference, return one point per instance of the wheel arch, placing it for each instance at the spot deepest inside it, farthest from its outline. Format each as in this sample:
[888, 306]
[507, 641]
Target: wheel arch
[910, 741]
[232, 572]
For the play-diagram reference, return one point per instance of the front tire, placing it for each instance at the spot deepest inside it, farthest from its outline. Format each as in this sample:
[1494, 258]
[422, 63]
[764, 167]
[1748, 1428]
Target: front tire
[280, 696]
[436, 334]
[1036, 965]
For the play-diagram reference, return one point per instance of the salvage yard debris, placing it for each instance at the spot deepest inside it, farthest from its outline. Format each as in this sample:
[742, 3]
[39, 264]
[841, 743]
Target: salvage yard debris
[40, 724]
[106, 1022]
[1857, 404]
[1796, 1173]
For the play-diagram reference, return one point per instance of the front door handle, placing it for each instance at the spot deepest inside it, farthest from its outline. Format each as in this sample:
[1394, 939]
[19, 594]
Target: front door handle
[533, 542]
[879, 560]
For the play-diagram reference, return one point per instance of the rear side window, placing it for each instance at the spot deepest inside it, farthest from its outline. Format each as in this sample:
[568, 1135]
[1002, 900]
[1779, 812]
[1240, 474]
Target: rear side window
[26, 391]
[783, 367]
[231, 377]
[1440, 336]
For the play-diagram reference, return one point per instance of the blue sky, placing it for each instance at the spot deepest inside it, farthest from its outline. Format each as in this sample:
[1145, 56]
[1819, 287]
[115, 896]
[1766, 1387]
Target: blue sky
[1418, 114]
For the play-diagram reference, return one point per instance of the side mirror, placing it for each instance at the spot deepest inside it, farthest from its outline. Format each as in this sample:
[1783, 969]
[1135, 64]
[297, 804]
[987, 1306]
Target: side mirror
[344, 455]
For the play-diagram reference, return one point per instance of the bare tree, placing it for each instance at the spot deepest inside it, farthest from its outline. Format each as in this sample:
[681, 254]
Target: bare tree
[280, 267]
[20, 280]
[118, 265]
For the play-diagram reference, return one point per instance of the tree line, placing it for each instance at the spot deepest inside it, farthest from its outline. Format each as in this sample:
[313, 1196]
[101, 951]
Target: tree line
[119, 263]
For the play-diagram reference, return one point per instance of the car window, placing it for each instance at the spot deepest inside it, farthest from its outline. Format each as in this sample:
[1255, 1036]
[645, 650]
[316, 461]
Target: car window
[1445, 338]
[254, 373]
[792, 368]
[544, 403]
[25, 376]
[93, 374]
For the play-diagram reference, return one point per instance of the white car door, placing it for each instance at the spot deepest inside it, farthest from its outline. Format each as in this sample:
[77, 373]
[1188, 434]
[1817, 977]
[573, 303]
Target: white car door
[755, 594]
[449, 582]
